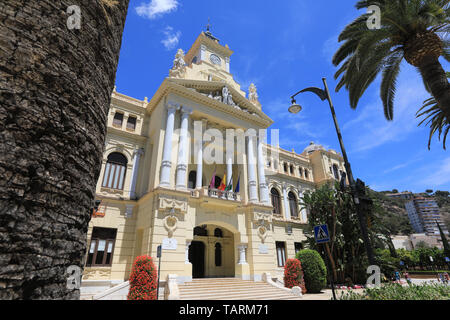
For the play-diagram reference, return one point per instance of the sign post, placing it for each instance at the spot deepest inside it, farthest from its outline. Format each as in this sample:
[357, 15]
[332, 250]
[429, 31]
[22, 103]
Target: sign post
[322, 236]
[158, 255]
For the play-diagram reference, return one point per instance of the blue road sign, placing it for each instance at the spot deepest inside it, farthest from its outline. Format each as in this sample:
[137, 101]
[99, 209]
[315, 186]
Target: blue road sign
[402, 263]
[321, 233]
[447, 259]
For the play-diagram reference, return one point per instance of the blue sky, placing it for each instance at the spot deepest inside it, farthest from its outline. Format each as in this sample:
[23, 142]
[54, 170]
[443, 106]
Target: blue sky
[283, 47]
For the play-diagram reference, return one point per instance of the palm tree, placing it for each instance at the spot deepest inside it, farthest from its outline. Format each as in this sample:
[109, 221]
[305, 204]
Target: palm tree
[414, 30]
[436, 119]
[55, 91]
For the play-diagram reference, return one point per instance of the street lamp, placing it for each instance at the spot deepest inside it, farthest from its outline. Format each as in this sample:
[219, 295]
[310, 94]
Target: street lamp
[324, 94]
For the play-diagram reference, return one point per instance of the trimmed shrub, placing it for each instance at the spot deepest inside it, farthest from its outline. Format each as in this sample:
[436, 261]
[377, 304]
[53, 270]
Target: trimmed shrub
[314, 270]
[143, 279]
[293, 275]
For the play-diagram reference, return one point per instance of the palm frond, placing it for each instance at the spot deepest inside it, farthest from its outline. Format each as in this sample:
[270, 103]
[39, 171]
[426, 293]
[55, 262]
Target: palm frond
[388, 84]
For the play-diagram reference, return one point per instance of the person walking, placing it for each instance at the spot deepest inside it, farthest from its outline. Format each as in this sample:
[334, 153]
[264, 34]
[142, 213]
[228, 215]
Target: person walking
[408, 279]
[446, 277]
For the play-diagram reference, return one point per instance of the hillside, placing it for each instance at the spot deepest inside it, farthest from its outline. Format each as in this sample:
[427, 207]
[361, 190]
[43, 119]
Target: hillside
[391, 213]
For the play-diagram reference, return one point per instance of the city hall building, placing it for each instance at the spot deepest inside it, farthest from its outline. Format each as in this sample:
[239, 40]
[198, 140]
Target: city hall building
[239, 218]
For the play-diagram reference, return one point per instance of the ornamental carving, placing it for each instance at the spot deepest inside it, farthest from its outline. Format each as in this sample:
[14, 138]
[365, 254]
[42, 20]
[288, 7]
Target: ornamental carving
[258, 216]
[225, 96]
[168, 204]
[263, 228]
[170, 223]
[179, 65]
[252, 94]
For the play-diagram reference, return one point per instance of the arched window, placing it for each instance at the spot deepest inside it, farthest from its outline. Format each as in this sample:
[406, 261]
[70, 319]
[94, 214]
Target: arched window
[285, 167]
[306, 174]
[192, 181]
[200, 231]
[276, 203]
[218, 233]
[115, 169]
[293, 204]
[292, 169]
[300, 171]
[218, 254]
[336, 172]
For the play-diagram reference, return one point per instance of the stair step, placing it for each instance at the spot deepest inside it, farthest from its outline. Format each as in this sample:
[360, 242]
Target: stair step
[232, 289]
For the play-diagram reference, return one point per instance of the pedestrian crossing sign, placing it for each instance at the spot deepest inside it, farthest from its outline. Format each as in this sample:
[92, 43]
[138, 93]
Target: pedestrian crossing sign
[321, 233]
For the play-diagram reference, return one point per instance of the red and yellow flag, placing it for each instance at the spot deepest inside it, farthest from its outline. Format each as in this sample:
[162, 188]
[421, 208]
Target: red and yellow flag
[223, 183]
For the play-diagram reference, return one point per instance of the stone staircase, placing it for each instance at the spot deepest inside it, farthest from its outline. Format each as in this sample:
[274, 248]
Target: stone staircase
[232, 289]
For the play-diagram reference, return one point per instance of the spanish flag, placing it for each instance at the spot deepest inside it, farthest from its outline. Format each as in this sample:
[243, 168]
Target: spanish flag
[237, 185]
[222, 184]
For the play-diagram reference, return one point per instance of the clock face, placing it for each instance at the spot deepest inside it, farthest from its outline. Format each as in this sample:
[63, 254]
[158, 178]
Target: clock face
[215, 59]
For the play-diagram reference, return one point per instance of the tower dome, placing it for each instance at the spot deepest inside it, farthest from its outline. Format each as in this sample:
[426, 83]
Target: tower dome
[313, 147]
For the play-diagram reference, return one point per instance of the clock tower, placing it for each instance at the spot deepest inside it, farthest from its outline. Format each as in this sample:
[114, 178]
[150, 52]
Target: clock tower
[206, 60]
[207, 49]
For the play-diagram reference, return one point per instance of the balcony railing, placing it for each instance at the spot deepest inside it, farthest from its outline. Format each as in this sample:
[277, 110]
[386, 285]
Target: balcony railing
[219, 194]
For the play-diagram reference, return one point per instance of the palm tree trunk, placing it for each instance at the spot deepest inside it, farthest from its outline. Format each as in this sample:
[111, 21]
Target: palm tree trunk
[435, 79]
[55, 91]
[333, 265]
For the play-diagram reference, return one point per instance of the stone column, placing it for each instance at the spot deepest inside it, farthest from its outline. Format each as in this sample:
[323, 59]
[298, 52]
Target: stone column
[183, 149]
[188, 244]
[242, 257]
[253, 192]
[263, 190]
[137, 156]
[198, 183]
[166, 163]
[303, 212]
[287, 212]
[229, 170]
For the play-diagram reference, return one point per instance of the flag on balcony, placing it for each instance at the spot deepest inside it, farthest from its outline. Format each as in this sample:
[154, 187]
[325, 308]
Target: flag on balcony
[212, 184]
[230, 185]
[222, 183]
[237, 185]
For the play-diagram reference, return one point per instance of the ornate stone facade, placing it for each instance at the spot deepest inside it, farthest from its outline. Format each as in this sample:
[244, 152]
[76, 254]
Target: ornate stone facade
[167, 198]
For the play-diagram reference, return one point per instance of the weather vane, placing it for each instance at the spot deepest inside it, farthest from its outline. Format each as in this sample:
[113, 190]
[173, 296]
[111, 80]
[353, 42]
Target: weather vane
[208, 25]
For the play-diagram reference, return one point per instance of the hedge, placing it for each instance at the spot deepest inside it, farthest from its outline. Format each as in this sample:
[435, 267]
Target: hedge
[314, 270]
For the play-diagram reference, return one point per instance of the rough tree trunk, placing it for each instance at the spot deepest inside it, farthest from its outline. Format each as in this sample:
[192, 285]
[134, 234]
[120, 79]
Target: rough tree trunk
[55, 90]
[436, 80]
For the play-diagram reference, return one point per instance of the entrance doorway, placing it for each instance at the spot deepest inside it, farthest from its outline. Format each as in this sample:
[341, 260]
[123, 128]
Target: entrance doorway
[197, 258]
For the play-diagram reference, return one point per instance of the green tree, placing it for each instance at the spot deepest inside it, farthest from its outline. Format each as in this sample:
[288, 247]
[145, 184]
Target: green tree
[414, 30]
[335, 207]
[55, 92]
[444, 241]
[314, 270]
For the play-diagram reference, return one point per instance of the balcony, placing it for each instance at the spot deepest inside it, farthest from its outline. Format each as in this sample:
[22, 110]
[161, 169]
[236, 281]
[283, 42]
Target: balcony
[219, 194]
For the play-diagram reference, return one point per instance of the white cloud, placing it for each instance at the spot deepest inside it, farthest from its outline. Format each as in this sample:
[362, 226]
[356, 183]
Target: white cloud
[438, 175]
[156, 8]
[172, 38]
[370, 128]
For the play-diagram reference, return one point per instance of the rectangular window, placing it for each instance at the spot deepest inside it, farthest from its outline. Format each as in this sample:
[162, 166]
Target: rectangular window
[118, 119]
[298, 246]
[101, 248]
[131, 123]
[281, 253]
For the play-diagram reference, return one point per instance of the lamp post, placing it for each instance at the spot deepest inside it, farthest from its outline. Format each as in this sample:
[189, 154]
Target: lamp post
[324, 94]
